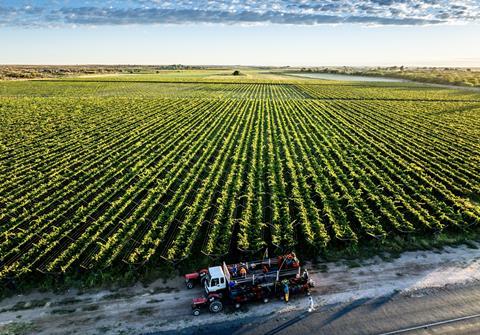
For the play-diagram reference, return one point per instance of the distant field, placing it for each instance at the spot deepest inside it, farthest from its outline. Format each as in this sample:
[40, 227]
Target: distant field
[446, 76]
[128, 171]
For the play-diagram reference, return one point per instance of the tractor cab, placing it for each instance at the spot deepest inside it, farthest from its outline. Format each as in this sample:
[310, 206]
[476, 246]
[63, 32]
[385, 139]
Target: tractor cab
[215, 280]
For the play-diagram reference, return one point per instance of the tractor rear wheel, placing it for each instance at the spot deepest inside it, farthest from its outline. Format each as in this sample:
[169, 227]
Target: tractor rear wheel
[189, 285]
[216, 306]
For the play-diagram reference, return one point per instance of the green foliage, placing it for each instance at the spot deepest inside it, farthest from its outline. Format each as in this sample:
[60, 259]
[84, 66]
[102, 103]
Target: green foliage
[17, 328]
[111, 182]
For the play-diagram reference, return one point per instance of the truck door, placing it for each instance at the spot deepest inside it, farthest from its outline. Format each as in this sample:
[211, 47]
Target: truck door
[223, 283]
[215, 284]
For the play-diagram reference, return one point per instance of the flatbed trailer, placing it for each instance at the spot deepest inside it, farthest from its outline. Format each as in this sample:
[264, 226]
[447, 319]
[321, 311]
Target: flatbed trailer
[259, 281]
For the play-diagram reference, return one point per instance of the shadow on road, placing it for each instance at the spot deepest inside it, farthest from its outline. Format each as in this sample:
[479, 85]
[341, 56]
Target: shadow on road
[302, 316]
[288, 323]
[373, 304]
[344, 311]
[379, 302]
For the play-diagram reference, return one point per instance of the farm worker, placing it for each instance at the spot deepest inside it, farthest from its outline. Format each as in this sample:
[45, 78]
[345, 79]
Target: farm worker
[311, 303]
[265, 269]
[305, 274]
[243, 272]
[286, 290]
[295, 259]
[289, 260]
[232, 284]
[234, 270]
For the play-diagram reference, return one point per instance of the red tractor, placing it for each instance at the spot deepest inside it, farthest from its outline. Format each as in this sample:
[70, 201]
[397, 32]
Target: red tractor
[191, 279]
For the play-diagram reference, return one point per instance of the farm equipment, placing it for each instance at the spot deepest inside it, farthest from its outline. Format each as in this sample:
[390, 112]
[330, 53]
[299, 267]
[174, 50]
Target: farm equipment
[196, 277]
[260, 280]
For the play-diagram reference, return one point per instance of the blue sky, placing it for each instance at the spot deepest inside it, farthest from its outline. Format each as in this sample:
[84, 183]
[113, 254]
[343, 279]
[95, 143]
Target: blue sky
[277, 32]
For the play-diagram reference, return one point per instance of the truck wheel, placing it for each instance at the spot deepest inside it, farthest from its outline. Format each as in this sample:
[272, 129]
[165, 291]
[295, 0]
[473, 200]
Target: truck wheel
[265, 300]
[196, 312]
[189, 285]
[216, 306]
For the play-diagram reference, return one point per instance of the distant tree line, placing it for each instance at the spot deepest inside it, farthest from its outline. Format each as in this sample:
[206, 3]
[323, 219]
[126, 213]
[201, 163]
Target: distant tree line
[53, 71]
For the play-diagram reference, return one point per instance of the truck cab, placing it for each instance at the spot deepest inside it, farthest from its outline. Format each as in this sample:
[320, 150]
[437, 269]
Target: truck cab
[215, 280]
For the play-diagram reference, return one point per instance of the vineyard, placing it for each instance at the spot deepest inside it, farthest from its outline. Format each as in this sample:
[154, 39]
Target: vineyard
[100, 174]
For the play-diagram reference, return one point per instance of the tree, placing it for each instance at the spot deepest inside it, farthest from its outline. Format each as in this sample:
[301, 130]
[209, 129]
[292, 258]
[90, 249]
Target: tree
[236, 73]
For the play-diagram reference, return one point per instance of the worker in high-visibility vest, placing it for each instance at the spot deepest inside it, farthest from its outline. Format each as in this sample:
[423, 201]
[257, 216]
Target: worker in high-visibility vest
[286, 290]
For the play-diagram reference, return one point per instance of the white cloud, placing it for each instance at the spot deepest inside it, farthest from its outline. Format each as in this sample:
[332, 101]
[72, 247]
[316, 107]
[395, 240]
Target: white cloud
[370, 12]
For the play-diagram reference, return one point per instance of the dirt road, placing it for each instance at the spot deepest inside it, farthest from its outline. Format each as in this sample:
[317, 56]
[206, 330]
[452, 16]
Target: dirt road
[165, 306]
[453, 310]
